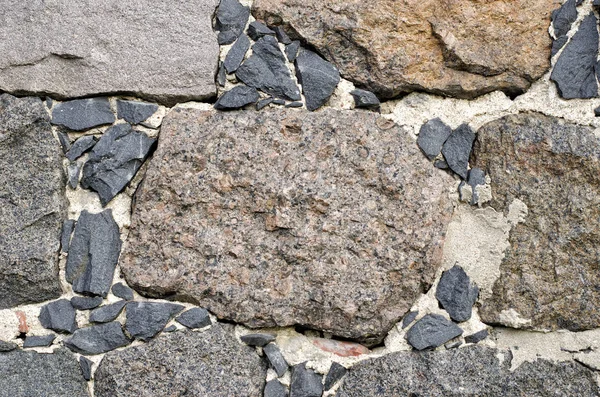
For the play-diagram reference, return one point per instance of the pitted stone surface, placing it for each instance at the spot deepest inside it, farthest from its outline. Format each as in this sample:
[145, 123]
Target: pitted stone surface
[194, 364]
[549, 274]
[32, 203]
[64, 49]
[333, 219]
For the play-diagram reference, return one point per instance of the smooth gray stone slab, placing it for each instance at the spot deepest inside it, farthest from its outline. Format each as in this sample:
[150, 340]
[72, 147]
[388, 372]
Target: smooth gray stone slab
[80, 146]
[276, 359]
[38, 341]
[194, 318]
[457, 294]
[83, 114]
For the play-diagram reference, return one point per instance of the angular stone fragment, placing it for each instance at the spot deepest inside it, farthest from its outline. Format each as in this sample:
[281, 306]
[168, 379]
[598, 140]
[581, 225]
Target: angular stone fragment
[563, 18]
[256, 30]
[432, 331]
[32, 203]
[317, 76]
[274, 388]
[208, 363]
[457, 294]
[73, 173]
[64, 140]
[305, 382]
[277, 101]
[97, 339]
[236, 53]
[477, 336]
[38, 341]
[364, 200]
[257, 339]
[276, 359]
[115, 160]
[291, 50]
[194, 318]
[432, 136]
[65, 236]
[122, 291]
[263, 102]
[170, 328]
[547, 170]
[7, 346]
[558, 44]
[281, 35]
[457, 149]
[409, 318]
[238, 97]
[32, 374]
[80, 146]
[335, 373]
[107, 313]
[267, 71]
[135, 112]
[85, 303]
[294, 105]
[222, 75]
[364, 99]
[475, 177]
[86, 367]
[83, 114]
[146, 319]
[231, 20]
[58, 316]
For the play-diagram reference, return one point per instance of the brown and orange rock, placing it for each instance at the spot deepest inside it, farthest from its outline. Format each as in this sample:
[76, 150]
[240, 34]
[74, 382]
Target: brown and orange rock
[332, 220]
[449, 47]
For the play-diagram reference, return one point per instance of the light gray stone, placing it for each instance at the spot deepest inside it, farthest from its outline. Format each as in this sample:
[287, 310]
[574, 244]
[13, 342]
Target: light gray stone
[73, 173]
[7, 346]
[146, 319]
[97, 339]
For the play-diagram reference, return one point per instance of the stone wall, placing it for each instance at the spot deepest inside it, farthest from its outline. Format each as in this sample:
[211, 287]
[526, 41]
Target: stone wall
[303, 199]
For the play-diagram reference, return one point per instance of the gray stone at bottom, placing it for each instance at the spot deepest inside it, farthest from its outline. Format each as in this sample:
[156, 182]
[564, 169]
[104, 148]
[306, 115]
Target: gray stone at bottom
[194, 364]
[97, 339]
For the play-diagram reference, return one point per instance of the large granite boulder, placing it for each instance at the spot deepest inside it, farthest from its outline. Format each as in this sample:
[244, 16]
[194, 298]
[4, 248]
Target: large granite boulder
[162, 50]
[549, 275]
[194, 364]
[333, 220]
[449, 47]
[32, 203]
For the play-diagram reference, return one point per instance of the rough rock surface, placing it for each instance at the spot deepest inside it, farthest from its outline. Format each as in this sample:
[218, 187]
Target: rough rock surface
[237, 97]
[83, 114]
[457, 149]
[317, 76]
[432, 136]
[194, 318]
[458, 48]
[236, 54]
[31, 374]
[274, 388]
[276, 359]
[305, 382]
[63, 49]
[431, 331]
[146, 319]
[80, 146]
[335, 373]
[470, 371]
[107, 313]
[194, 364]
[122, 291]
[457, 294]
[333, 219]
[549, 274]
[97, 339]
[38, 341]
[58, 316]
[230, 21]
[32, 203]
[86, 302]
[135, 112]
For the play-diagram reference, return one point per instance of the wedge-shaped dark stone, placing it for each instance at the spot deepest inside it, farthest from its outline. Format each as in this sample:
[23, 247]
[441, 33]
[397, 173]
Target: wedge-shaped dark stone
[58, 316]
[231, 20]
[135, 112]
[263, 102]
[477, 336]
[291, 50]
[409, 318]
[236, 54]
[432, 331]
[83, 114]
[364, 99]
[457, 294]
[86, 367]
[80, 146]
[276, 359]
[93, 253]
[107, 313]
[432, 136]
[305, 382]
[146, 319]
[65, 236]
[274, 388]
[73, 173]
[317, 76]
[457, 149]
[335, 373]
[281, 35]
[38, 341]
[256, 30]
[194, 318]
[257, 339]
[563, 18]
[122, 291]
[239, 96]
[97, 339]
[114, 161]
[85, 302]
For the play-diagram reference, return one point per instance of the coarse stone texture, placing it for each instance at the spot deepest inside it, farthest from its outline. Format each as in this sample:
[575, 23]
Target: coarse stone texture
[431, 331]
[65, 235]
[64, 49]
[194, 318]
[291, 50]
[274, 388]
[236, 54]
[317, 77]
[146, 319]
[475, 178]
[73, 173]
[276, 359]
[457, 48]
[7, 346]
[305, 382]
[256, 30]
[97, 339]
[107, 313]
[239, 96]
[38, 341]
[194, 364]
[470, 371]
[32, 203]
[281, 35]
[31, 374]
[83, 114]
[135, 112]
[230, 21]
[456, 294]
[549, 273]
[58, 316]
[409, 318]
[364, 99]
[86, 367]
[333, 220]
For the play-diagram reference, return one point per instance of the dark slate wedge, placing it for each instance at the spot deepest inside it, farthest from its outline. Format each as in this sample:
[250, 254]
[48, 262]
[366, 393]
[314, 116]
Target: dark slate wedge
[563, 18]
[274, 388]
[58, 316]
[170, 328]
[318, 78]
[409, 318]
[256, 30]
[221, 75]
[477, 336]
[65, 236]
[294, 105]
[73, 172]
[107, 313]
[365, 99]
[93, 253]
[122, 291]
[86, 367]
[258, 339]
[336, 372]
[115, 160]
[97, 339]
[83, 114]
[291, 50]
[39, 341]
[276, 359]
[194, 318]
[281, 35]
[263, 102]
[236, 53]
[575, 69]
[432, 331]
[146, 319]
[441, 164]
[7, 346]
[558, 44]
[64, 140]
[456, 294]
[81, 146]
[597, 110]
[432, 136]
[231, 20]
[135, 112]
[266, 70]
[305, 382]
[85, 302]
[239, 96]
[457, 149]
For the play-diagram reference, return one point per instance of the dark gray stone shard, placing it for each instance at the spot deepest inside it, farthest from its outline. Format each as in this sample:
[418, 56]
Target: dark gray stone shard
[7, 346]
[170, 328]
[432, 331]
[122, 291]
[107, 313]
[563, 18]
[258, 339]
[441, 164]
[221, 75]
[597, 110]
[64, 140]
[73, 172]
[575, 70]
[39, 341]
[267, 71]
[93, 253]
[80, 146]
[86, 367]
[194, 318]
[456, 294]
[281, 35]
[83, 114]
[558, 44]
[236, 53]
[305, 382]
[432, 136]
[231, 20]
[115, 160]
[291, 50]
[317, 76]
[409, 318]
[294, 105]
[65, 236]
[86, 302]
[276, 359]
[146, 319]
[274, 388]
[256, 30]
[477, 336]
[239, 96]
[58, 316]
[263, 102]
[457, 149]
[26, 373]
[278, 101]
[97, 339]
[335, 373]
[365, 99]
[135, 112]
